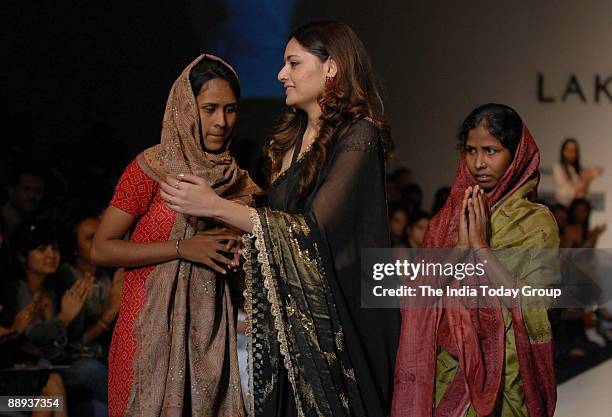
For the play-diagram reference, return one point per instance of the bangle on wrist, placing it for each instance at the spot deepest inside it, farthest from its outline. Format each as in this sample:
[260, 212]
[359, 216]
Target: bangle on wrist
[178, 249]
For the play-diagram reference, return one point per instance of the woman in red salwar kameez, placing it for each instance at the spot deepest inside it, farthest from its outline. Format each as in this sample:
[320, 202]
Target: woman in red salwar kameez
[176, 310]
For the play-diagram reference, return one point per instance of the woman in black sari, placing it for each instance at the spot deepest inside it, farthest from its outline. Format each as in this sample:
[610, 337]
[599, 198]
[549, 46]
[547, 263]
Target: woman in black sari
[315, 351]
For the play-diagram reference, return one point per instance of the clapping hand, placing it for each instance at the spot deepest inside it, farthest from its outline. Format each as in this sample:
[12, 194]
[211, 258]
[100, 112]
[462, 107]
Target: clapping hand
[74, 298]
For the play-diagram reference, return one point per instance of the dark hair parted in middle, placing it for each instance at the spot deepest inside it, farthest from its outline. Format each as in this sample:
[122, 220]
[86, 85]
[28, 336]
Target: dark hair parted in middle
[353, 94]
[208, 69]
[500, 120]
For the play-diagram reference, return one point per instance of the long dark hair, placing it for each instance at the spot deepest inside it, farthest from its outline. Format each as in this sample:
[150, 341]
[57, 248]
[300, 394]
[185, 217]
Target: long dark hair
[353, 94]
[500, 120]
[576, 163]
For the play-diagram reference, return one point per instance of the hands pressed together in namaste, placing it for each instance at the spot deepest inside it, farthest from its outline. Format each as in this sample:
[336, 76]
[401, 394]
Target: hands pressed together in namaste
[474, 220]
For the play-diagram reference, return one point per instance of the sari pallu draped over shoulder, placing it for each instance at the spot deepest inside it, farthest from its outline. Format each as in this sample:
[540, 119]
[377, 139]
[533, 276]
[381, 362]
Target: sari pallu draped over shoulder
[186, 338]
[477, 337]
[292, 316]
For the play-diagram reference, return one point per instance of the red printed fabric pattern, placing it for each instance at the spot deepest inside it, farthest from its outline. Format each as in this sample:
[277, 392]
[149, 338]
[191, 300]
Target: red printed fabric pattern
[138, 195]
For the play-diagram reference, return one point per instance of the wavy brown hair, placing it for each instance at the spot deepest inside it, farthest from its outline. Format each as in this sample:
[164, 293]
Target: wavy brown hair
[353, 94]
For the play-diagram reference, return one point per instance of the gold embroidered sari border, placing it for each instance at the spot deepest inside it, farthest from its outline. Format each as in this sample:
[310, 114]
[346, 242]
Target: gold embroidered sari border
[269, 284]
[247, 242]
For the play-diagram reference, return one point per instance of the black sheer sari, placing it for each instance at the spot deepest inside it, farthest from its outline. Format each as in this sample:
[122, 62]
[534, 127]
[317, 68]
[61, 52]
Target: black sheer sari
[315, 351]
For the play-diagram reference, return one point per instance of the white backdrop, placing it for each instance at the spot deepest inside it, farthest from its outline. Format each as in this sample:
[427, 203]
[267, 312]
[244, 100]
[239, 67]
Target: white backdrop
[438, 61]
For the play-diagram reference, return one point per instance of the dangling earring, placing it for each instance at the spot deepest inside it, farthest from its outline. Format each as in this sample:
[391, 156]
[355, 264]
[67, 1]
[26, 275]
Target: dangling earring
[329, 80]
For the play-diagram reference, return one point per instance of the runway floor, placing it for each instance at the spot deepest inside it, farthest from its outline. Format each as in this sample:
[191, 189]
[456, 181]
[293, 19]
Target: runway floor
[588, 394]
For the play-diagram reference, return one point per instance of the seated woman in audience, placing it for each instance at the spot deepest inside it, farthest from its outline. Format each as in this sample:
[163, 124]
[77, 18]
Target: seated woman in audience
[571, 180]
[577, 231]
[415, 231]
[411, 198]
[25, 383]
[45, 339]
[96, 320]
[37, 250]
[398, 220]
[560, 213]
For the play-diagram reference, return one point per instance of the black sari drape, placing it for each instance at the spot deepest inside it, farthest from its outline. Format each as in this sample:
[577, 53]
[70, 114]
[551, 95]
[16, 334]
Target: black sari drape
[315, 350]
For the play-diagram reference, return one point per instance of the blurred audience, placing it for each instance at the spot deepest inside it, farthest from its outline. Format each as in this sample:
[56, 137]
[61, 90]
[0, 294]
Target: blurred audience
[440, 199]
[578, 233]
[572, 181]
[95, 322]
[25, 195]
[44, 342]
[577, 331]
[25, 191]
[401, 177]
[415, 231]
[560, 213]
[398, 220]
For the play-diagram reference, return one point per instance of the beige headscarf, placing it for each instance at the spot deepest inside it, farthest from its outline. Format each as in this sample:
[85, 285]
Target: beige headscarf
[186, 335]
[181, 147]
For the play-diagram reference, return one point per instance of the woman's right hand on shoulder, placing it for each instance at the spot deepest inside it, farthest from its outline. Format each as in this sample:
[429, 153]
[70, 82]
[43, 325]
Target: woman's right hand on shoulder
[207, 248]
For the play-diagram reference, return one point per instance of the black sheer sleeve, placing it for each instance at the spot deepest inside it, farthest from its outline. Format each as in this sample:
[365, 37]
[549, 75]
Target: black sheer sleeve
[349, 206]
[349, 213]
